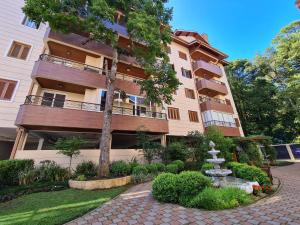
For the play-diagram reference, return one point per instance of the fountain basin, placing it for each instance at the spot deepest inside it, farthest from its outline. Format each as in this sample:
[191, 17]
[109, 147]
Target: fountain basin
[216, 161]
[218, 172]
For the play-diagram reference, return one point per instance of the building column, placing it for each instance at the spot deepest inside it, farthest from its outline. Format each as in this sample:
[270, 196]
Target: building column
[288, 148]
[19, 142]
[163, 140]
[40, 145]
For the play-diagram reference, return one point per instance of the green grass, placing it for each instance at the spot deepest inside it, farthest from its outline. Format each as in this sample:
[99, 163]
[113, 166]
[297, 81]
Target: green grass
[57, 207]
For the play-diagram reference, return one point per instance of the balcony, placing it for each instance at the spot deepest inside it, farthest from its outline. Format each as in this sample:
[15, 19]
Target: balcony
[227, 128]
[66, 75]
[207, 103]
[42, 113]
[204, 69]
[211, 87]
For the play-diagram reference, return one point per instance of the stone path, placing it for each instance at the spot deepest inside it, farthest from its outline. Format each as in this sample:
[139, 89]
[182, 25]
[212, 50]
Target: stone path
[137, 206]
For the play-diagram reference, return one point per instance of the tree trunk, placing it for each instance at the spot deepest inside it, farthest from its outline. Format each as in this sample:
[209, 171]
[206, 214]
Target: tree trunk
[105, 142]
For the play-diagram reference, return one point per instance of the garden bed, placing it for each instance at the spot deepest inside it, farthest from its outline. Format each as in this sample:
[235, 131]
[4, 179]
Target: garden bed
[100, 184]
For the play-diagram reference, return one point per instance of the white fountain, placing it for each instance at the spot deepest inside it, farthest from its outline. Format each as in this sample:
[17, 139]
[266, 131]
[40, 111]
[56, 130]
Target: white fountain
[216, 171]
[220, 176]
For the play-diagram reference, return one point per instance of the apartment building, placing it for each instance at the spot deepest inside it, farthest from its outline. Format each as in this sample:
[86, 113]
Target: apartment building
[68, 93]
[21, 42]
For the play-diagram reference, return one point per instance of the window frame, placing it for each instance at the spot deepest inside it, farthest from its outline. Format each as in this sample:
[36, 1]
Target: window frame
[183, 73]
[9, 49]
[188, 91]
[193, 115]
[175, 110]
[54, 92]
[26, 18]
[15, 89]
[182, 55]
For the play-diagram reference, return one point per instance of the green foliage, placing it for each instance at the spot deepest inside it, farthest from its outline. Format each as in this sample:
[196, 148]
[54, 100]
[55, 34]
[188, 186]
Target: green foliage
[196, 142]
[177, 151]
[164, 188]
[180, 164]
[88, 169]
[220, 198]
[140, 174]
[133, 163]
[243, 157]
[152, 168]
[251, 173]
[206, 166]
[172, 168]
[69, 147]
[160, 167]
[192, 165]
[274, 76]
[10, 169]
[151, 150]
[81, 178]
[119, 169]
[189, 184]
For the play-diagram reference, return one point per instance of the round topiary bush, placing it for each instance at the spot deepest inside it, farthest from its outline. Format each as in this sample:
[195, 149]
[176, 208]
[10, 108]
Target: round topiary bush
[189, 184]
[119, 168]
[180, 164]
[172, 168]
[164, 188]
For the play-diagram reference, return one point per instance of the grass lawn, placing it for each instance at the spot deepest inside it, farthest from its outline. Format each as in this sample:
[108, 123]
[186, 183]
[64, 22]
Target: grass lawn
[57, 207]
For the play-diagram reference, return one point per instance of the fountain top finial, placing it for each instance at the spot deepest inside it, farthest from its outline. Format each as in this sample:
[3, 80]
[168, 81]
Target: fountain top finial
[212, 144]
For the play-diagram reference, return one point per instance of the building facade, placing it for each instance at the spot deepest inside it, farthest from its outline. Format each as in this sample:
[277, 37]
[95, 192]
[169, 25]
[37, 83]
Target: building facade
[67, 97]
[21, 42]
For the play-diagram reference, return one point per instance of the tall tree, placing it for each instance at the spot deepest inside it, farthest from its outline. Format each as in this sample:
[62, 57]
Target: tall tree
[147, 23]
[267, 89]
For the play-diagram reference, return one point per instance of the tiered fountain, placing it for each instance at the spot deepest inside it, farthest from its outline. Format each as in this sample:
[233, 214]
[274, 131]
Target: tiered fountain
[220, 176]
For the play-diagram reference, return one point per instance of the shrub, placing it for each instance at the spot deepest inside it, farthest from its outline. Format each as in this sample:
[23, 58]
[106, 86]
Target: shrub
[220, 198]
[177, 151]
[140, 174]
[172, 168]
[10, 169]
[80, 178]
[243, 157]
[164, 188]
[189, 184]
[251, 173]
[160, 167]
[180, 165]
[133, 163]
[88, 169]
[192, 166]
[119, 168]
[27, 176]
[206, 166]
[152, 168]
[50, 171]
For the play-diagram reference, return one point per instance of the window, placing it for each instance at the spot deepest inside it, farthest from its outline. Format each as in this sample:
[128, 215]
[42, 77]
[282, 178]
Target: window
[7, 89]
[193, 115]
[186, 73]
[218, 118]
[173, 113]
[19, 50]
[182, 55]
[29, 23]
[53, 100]
[189, 93]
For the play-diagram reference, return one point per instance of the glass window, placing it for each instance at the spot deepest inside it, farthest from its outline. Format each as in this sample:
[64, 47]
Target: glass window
[19, 50]
[29, 23]
[7, 89]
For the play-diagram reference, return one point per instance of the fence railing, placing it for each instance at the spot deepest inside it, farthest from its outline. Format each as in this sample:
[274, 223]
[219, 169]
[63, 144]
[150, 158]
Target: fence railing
[68, 104]
[85, 67]
[209, 99]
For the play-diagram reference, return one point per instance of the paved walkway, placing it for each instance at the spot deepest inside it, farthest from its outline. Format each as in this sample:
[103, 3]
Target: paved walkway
[136, 206]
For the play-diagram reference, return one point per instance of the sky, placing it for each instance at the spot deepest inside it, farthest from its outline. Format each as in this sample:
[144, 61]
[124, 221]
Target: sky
[239, 28]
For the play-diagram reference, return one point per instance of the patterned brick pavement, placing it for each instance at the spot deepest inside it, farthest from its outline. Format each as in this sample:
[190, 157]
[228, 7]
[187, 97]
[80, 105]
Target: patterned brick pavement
[136, 206]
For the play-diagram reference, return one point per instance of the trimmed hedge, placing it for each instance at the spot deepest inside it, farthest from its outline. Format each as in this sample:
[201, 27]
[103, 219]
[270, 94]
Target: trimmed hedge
[165, 188]
[180, 164]
[10, 169]
[172, 168]
[189, 184]
[251, 173]
[206, 166]
[220, 198]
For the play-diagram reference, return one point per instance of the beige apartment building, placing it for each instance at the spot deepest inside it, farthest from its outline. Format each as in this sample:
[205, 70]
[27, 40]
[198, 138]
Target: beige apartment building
[65, 94]
[21, 42]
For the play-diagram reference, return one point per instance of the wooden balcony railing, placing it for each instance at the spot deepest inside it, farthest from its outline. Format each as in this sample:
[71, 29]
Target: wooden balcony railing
[85, 106]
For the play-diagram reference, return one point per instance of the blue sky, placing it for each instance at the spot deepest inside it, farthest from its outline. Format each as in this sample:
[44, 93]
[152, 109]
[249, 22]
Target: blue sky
[240, 28]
